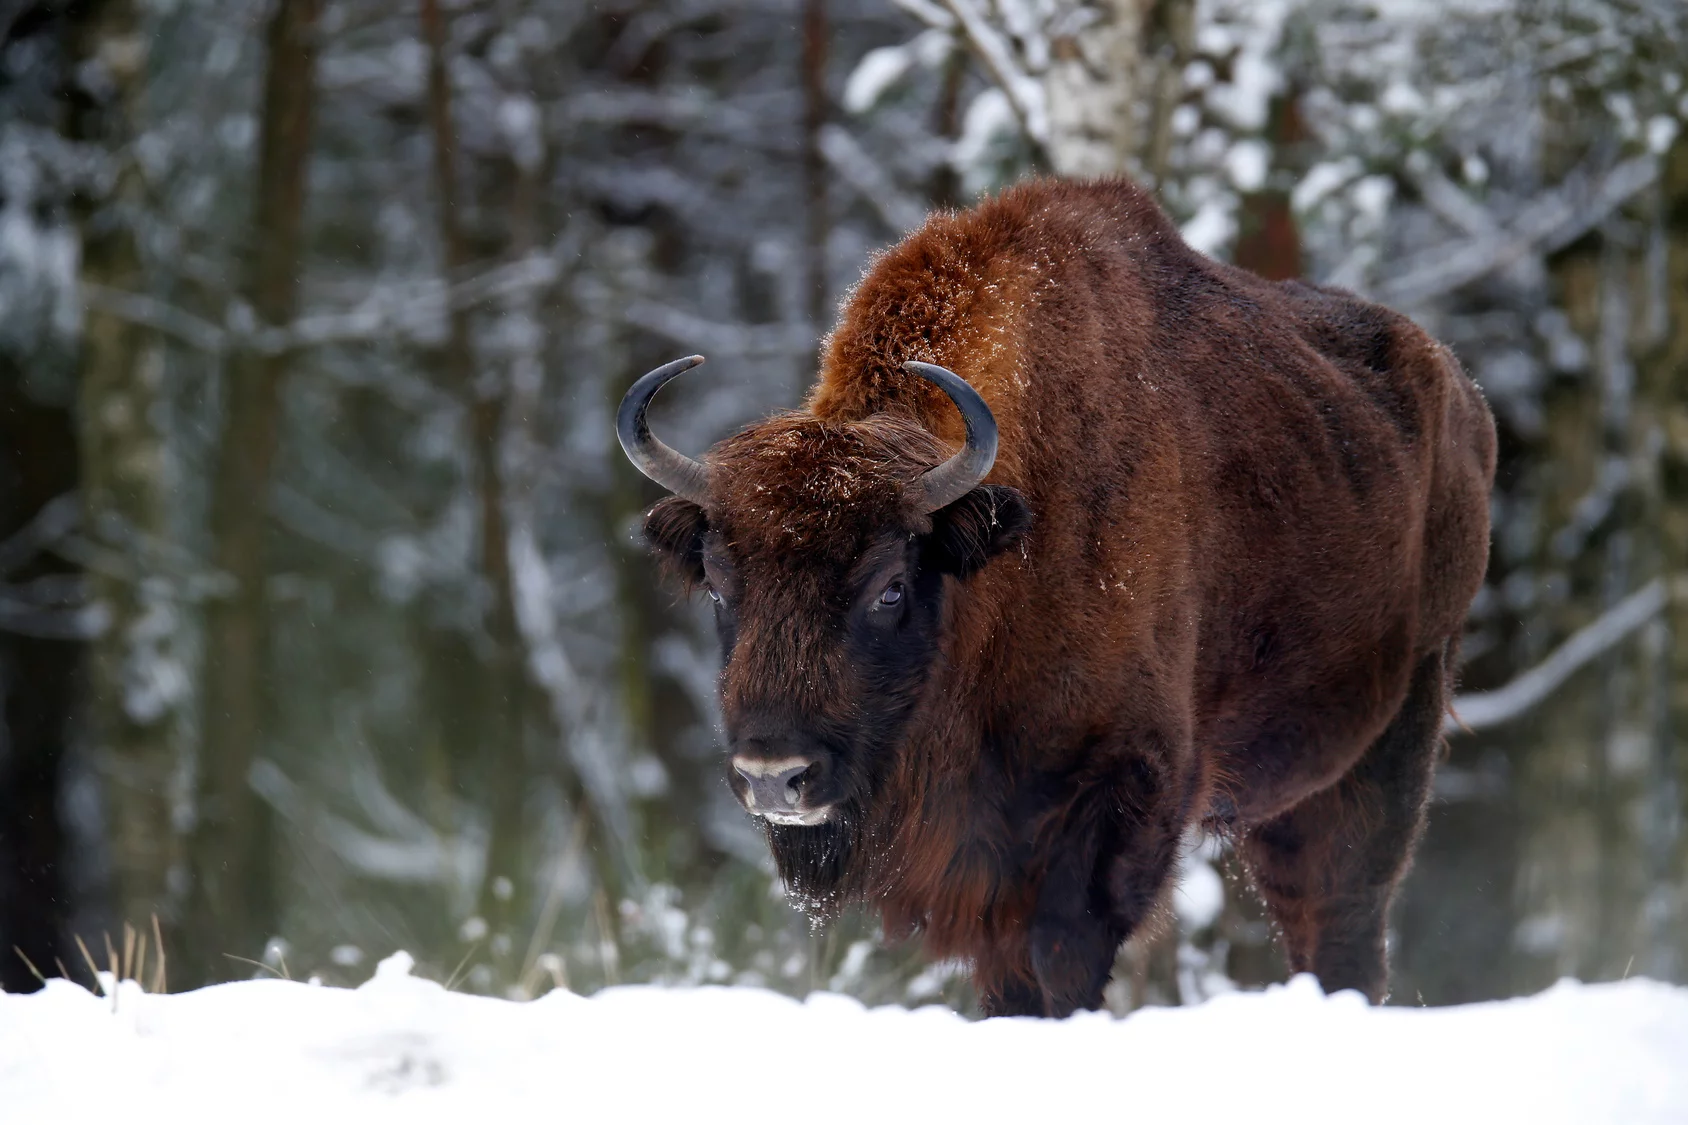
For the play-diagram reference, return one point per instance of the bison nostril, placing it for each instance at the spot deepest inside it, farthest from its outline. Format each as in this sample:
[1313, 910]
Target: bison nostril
[773, 786]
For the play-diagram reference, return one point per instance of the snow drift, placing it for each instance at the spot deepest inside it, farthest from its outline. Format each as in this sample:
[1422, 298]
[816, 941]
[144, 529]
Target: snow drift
[406, 1050]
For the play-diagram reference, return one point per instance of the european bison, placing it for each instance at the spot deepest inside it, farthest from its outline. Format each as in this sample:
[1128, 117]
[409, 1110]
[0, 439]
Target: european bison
[1203, 555]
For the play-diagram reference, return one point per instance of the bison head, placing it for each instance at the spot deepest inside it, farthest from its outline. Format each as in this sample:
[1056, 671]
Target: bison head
[829, 549]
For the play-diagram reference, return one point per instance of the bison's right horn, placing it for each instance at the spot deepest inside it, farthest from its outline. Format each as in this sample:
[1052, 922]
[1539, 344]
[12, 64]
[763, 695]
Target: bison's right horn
[955, 478]
[676, 472]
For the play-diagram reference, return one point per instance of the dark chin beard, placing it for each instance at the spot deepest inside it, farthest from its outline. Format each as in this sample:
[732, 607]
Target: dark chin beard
[814, 862]
[826, 867]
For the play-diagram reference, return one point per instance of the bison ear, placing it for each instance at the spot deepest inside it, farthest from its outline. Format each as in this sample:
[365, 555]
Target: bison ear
[965, 535]
[674, 529]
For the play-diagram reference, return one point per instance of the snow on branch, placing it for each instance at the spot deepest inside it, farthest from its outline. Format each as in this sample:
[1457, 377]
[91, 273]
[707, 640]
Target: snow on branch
[718, 337]
[53, 607]
[57, 518]
[408, 311]
[1484, 709]
[1446, 199]
[1024, 94]
[927, 13]
[421, 854]
[518, 278]
[575, 708]
[1545, 225]
[417, 311]
[691, 111]
[161, 316]
[862, 172]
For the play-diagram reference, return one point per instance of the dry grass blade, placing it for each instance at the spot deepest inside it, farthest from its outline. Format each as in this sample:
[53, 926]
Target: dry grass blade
[116, 969]
[547, 964]
[608, 951]
[158, 977]
[451, 981]
[541, 936]
[92, 968]
[138, 970]
[128, 952]
[36, 973]
[524, 986]
[248, 961]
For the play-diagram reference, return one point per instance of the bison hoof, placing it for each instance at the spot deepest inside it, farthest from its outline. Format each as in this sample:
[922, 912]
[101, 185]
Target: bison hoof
[1072, 959]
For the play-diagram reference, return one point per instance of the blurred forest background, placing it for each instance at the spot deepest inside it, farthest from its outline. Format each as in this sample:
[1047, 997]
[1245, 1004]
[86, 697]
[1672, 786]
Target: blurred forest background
[324, 630]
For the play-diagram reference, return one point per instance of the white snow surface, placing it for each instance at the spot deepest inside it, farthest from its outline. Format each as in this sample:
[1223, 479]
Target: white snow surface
[402, 1049]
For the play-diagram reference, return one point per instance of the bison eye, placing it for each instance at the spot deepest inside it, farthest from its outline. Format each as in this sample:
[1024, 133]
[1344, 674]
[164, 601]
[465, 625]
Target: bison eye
[892, 595]
[714, 594]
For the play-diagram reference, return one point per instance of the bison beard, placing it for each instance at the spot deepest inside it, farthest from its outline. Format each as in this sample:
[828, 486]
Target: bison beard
[1217, 576]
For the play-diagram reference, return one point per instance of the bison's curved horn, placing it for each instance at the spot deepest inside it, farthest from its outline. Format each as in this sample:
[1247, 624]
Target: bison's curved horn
[955, 478]
[676, 472]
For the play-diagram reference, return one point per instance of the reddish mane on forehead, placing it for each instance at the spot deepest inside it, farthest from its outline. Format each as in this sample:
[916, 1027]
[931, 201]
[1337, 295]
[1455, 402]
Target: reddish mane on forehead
[796, 482]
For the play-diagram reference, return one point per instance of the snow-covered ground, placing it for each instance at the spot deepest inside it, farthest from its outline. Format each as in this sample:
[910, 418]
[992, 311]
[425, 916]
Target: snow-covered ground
[402, 1049]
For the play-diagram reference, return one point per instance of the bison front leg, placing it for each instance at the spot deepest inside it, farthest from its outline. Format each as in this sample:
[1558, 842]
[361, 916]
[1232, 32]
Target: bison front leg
[1073, 938]
[1010, 996]
[1112, 853]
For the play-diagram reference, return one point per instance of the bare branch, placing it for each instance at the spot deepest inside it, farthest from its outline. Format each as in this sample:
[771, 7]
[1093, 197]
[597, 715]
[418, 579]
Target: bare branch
[927, 13]
[150, 312]
[862, 172]
[1024, 94]
[522, 276]
[1484, 709]
[57, 518]
[689, 110]
[299, 513]
[1448, 201]
[646, 24]
[574, 708]
[422, 855]
[53, 607]
[83, 623]
[716, 337]
[1546, 225]
[384, 313]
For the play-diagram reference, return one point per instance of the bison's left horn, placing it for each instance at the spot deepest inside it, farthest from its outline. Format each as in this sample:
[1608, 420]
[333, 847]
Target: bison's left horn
[955, 478]
[676, 472]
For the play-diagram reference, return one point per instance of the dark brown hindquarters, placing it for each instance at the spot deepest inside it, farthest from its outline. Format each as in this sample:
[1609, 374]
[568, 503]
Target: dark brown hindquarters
[1328, 868]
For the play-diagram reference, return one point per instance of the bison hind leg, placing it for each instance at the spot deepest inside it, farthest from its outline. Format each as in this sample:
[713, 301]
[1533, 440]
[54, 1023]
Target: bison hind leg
[1328, 867]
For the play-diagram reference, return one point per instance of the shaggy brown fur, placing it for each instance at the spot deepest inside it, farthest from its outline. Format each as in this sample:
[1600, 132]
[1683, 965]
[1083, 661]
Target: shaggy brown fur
[1257, 513]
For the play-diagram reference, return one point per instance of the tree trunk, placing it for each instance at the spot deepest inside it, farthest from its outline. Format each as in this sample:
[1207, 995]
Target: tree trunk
[814, 162]
[1172, 41]
[39, 673]
[501, 759]
[944, 188]
[1091, 89]
[234, 889]
[1663, 415]
[138, 692]
[1268, 238]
